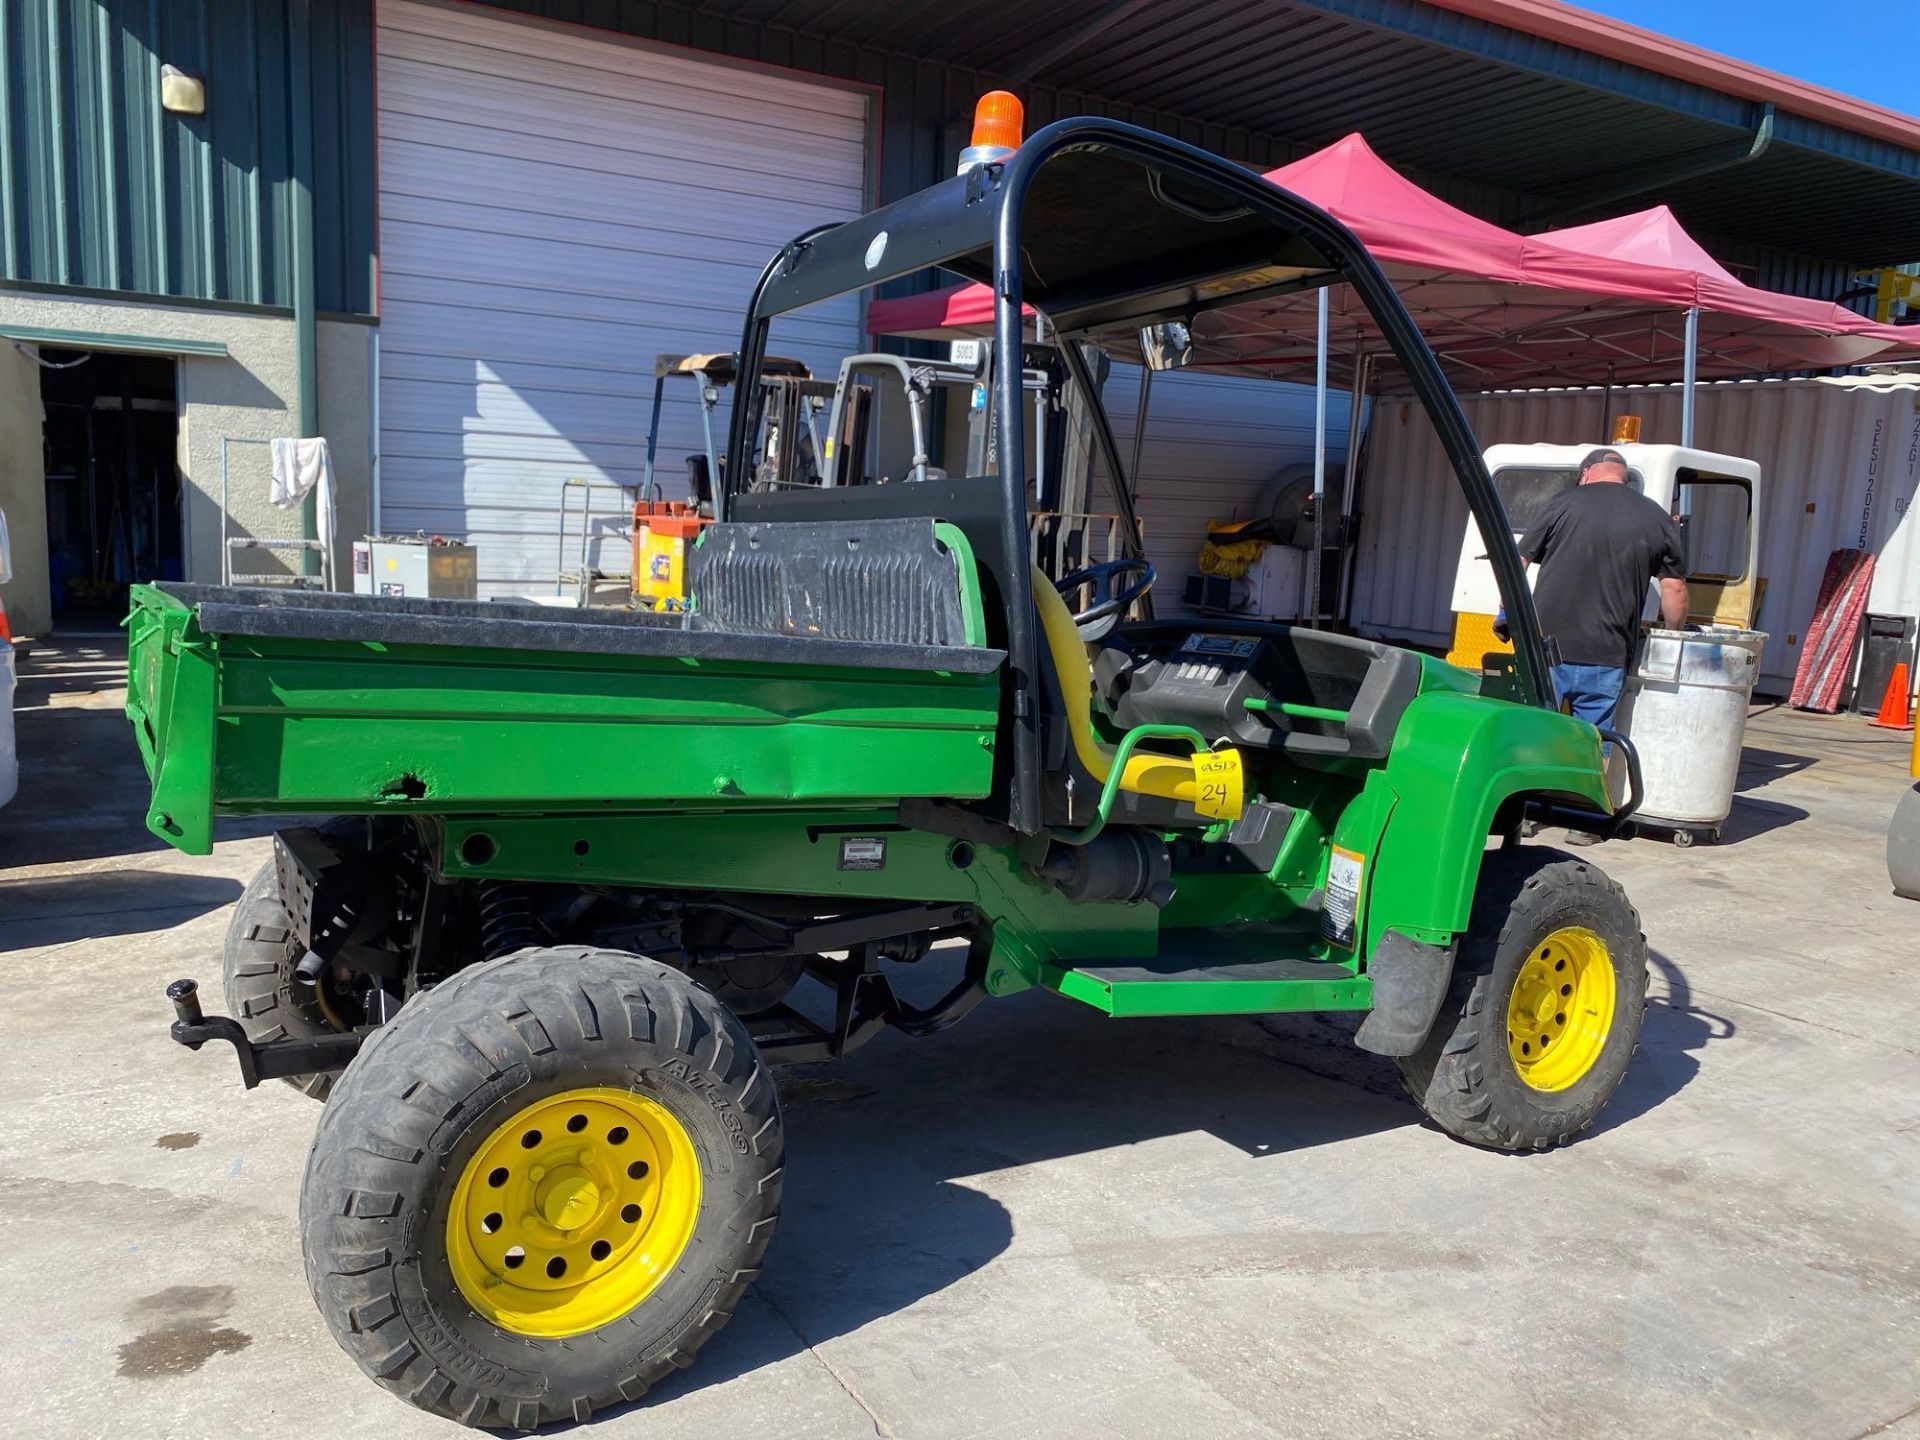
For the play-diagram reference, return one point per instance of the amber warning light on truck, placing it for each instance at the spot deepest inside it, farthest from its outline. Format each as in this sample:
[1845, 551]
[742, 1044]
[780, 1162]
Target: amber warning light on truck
[997, 121]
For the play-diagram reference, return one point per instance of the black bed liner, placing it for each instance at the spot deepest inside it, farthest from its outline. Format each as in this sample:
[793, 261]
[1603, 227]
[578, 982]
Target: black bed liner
[272, 613]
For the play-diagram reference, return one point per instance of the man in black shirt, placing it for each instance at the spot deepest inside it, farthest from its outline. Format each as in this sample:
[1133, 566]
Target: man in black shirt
[1597, 546]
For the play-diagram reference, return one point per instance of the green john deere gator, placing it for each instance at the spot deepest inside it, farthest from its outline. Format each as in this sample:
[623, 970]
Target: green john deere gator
[584, 861]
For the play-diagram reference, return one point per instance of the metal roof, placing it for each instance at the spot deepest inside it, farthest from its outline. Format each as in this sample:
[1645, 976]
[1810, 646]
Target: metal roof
[1617, 40]
[1567, 113]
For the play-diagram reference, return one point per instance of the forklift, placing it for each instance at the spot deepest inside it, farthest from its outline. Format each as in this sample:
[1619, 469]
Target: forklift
[785, 455]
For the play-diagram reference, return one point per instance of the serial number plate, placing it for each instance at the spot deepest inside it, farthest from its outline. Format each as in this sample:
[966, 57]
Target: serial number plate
[1240, 647]
[863, 852]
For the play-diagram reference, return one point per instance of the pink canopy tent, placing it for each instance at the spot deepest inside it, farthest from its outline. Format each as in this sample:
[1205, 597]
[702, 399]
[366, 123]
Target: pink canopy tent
[1646, 237]
[1766, 329]
[1609, 302]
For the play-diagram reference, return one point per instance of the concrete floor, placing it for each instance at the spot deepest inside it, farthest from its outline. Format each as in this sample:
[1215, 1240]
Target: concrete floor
[1044, 1223]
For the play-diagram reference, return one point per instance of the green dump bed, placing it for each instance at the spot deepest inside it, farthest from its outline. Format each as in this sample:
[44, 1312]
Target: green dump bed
[255, 701]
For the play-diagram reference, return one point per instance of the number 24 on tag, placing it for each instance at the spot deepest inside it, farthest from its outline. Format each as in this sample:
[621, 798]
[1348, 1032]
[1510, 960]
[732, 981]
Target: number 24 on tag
[1221, 790]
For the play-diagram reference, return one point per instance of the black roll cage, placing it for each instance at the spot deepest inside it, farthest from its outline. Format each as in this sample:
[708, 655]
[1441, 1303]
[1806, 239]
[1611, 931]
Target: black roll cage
[973, 225]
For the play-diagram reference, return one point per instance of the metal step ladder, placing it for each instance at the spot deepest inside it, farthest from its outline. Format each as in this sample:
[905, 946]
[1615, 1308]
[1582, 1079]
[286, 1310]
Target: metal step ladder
[582, 578]
[236, 545]
[235, 548]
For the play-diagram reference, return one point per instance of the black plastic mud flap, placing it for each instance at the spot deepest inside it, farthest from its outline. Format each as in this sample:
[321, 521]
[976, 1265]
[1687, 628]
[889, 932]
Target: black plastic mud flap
[1410, 979]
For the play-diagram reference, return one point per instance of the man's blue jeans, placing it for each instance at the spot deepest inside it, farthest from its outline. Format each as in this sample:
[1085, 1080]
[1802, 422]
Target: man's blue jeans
[1591, 692]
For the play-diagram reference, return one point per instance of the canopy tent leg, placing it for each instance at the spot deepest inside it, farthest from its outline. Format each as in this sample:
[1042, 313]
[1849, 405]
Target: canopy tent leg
[1691, 376]
[1350, 482]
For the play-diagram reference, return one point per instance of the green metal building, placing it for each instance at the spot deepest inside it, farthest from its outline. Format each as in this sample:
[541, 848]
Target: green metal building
[452, 236]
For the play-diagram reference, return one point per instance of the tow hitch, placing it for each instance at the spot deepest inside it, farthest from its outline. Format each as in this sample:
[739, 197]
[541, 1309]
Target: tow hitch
[275, 1060]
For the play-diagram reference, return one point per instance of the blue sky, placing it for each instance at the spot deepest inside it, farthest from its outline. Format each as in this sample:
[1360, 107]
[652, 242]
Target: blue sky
[1855, 49]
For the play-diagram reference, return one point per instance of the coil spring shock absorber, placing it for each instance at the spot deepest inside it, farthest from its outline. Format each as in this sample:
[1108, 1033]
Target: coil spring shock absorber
[507, 922]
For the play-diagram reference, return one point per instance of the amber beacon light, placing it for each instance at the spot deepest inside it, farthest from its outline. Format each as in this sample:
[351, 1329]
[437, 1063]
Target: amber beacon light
[997, 122]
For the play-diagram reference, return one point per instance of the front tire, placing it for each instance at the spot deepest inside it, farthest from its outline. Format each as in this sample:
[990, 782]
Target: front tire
[1549, 989]
[542, 1187]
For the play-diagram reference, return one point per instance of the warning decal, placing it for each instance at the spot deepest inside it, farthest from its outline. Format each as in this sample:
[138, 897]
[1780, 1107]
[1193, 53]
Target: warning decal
[1344, 874]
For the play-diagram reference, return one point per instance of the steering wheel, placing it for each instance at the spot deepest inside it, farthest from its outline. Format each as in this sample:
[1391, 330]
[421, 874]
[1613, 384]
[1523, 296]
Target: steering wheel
[1108, 604]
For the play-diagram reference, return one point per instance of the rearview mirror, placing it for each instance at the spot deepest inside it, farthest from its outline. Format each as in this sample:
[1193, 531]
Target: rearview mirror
[1166, 346]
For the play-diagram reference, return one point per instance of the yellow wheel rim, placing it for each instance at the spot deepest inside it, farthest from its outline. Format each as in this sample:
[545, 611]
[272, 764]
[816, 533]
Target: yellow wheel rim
[1561, 1009]
[573, 1212]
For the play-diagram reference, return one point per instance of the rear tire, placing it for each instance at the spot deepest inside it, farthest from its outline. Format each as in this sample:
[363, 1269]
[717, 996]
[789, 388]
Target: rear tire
[256, 974]
[1543, 921]
[480, 1080]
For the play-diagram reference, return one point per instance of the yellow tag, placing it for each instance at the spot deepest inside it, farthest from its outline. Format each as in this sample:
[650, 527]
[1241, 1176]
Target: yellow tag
[1221, 791]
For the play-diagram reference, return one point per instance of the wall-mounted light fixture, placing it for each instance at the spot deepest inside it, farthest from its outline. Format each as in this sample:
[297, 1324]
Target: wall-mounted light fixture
[181, 93]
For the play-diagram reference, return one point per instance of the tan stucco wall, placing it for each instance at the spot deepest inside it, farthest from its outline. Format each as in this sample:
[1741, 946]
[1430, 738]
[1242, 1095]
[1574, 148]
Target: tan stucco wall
[248, 394]
[23, 492]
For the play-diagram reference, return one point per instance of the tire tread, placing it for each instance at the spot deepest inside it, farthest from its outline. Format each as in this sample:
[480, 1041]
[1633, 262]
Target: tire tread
[401, 1088]
[1447, 1076]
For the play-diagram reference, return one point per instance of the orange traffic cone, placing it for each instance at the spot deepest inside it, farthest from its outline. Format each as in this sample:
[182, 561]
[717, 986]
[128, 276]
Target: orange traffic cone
[1895, 712]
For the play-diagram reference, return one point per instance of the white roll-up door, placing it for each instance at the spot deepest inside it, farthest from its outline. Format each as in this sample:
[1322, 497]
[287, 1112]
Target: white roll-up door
[558, 206]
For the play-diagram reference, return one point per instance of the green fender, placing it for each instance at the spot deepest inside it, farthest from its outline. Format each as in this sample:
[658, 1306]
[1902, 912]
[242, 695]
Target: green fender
[1455, 759]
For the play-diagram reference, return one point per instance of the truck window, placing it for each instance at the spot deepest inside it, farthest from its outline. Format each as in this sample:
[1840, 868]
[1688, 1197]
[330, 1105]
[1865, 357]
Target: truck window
[1527, 490]
[1715, 516]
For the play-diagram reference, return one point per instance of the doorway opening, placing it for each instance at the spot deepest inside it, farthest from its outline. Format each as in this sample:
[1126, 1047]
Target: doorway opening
[114, 513]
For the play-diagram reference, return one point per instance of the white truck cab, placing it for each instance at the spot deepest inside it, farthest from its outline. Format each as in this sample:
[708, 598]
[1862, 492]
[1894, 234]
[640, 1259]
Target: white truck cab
[1714, 497]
